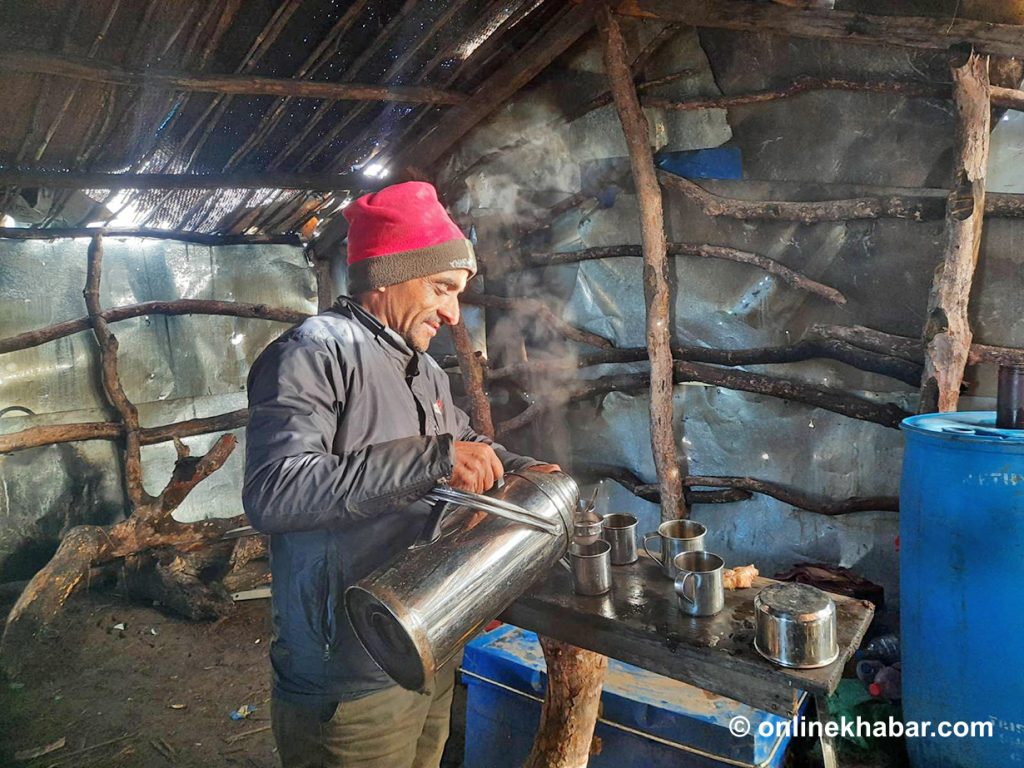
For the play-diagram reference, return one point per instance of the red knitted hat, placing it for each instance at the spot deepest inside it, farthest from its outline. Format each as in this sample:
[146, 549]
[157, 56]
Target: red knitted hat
[400, 233]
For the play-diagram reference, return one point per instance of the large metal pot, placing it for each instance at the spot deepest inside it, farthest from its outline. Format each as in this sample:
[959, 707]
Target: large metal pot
[795, 626]
[415, 613]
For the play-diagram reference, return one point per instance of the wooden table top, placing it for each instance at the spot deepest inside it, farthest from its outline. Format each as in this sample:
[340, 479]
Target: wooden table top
[638, 622]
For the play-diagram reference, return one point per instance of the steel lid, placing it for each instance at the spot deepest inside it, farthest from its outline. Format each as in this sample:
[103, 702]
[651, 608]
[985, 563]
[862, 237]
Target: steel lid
[794, 602]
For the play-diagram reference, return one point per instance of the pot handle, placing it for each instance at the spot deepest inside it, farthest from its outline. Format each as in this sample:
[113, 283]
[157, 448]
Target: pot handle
[496, 507]
[647, 536]
[432, 527]
[681, 587]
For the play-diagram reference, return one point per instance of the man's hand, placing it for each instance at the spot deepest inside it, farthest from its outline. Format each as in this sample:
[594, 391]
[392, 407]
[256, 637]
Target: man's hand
[545, 468]
[477, 467]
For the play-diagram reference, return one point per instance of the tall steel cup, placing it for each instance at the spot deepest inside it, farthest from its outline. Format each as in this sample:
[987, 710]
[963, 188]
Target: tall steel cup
[619, 531]
[698, 583]
[416, 612]
[677, 536]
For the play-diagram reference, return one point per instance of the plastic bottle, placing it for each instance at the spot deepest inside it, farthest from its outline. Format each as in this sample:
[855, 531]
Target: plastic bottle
[885, 648]
[867, 669]
[888, 684]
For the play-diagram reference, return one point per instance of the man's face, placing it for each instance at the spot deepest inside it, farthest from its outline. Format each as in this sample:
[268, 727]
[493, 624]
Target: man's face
[417, 308]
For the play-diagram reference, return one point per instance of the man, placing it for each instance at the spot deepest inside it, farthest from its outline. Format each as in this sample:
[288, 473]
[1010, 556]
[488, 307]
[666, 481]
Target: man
[350, 424]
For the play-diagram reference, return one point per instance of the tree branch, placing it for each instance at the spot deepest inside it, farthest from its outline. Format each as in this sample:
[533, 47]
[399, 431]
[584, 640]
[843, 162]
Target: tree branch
[31, 62]
[189, 472]
[657, 292]
[805, 349]
[177, 307]
[947, 331]
[799, 86]
[703, 250]
[473, 380]
[913, 207]
[199, 238]
[36, 437]
[309, 182]
[913, 349]
[112, 381]
[829, 399]
[920, 32]
[783, 493]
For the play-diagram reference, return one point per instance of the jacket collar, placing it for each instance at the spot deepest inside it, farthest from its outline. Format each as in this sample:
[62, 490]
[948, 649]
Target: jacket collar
[393, 343]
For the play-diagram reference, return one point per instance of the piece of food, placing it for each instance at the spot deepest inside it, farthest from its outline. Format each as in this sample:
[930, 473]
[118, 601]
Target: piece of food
[739, 578]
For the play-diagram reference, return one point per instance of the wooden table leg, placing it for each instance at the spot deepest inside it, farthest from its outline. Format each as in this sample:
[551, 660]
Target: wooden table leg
[828, 747]
[570, 710]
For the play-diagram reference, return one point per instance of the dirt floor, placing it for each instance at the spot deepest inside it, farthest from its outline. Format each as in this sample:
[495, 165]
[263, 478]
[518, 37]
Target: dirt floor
[124, 685]
[158, 692]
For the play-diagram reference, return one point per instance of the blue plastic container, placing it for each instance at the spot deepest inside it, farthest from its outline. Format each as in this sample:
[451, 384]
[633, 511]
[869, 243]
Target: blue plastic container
[646, 720]
[961, 574]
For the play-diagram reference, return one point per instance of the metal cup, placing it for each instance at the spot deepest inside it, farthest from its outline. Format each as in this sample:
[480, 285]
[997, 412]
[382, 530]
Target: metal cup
[591, 567]
[677, 536]
[699, 589]
[620, 532]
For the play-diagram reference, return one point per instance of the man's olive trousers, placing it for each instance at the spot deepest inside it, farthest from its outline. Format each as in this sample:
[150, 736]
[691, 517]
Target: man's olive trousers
[393, 728]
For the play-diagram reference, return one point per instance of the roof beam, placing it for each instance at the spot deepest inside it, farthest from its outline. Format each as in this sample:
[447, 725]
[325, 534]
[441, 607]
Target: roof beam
[198, 238]
[499, 87]
[34, 63]
[937, 34]
[310, 182]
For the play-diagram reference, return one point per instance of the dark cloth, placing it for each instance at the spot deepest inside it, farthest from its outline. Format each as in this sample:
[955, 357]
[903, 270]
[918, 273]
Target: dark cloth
[348, 429]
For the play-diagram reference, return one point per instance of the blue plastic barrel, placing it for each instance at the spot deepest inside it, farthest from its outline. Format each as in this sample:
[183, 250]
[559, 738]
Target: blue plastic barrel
[961, 581]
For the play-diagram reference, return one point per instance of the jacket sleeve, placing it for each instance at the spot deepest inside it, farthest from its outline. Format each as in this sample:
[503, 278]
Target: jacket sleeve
[512, 462]
[293, 479]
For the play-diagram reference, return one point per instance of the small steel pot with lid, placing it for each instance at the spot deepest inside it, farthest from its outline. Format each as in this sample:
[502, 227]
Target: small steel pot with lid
[795, 626]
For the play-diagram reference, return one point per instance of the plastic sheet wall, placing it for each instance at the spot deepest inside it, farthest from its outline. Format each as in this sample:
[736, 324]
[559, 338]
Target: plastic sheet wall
[817, 146]
[172, 368]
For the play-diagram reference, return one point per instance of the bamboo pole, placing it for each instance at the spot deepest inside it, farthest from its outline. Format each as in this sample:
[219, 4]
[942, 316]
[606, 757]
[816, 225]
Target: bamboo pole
[947, 332]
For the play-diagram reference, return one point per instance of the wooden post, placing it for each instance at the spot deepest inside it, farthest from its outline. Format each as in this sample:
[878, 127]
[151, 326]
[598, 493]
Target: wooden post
[947, 331]
[473, 379]
[656, 284]
[112, 388]
[326, 292]
[570, 709]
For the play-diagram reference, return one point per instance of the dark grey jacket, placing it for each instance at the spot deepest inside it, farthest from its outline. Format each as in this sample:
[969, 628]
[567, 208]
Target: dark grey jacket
[348, 429]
